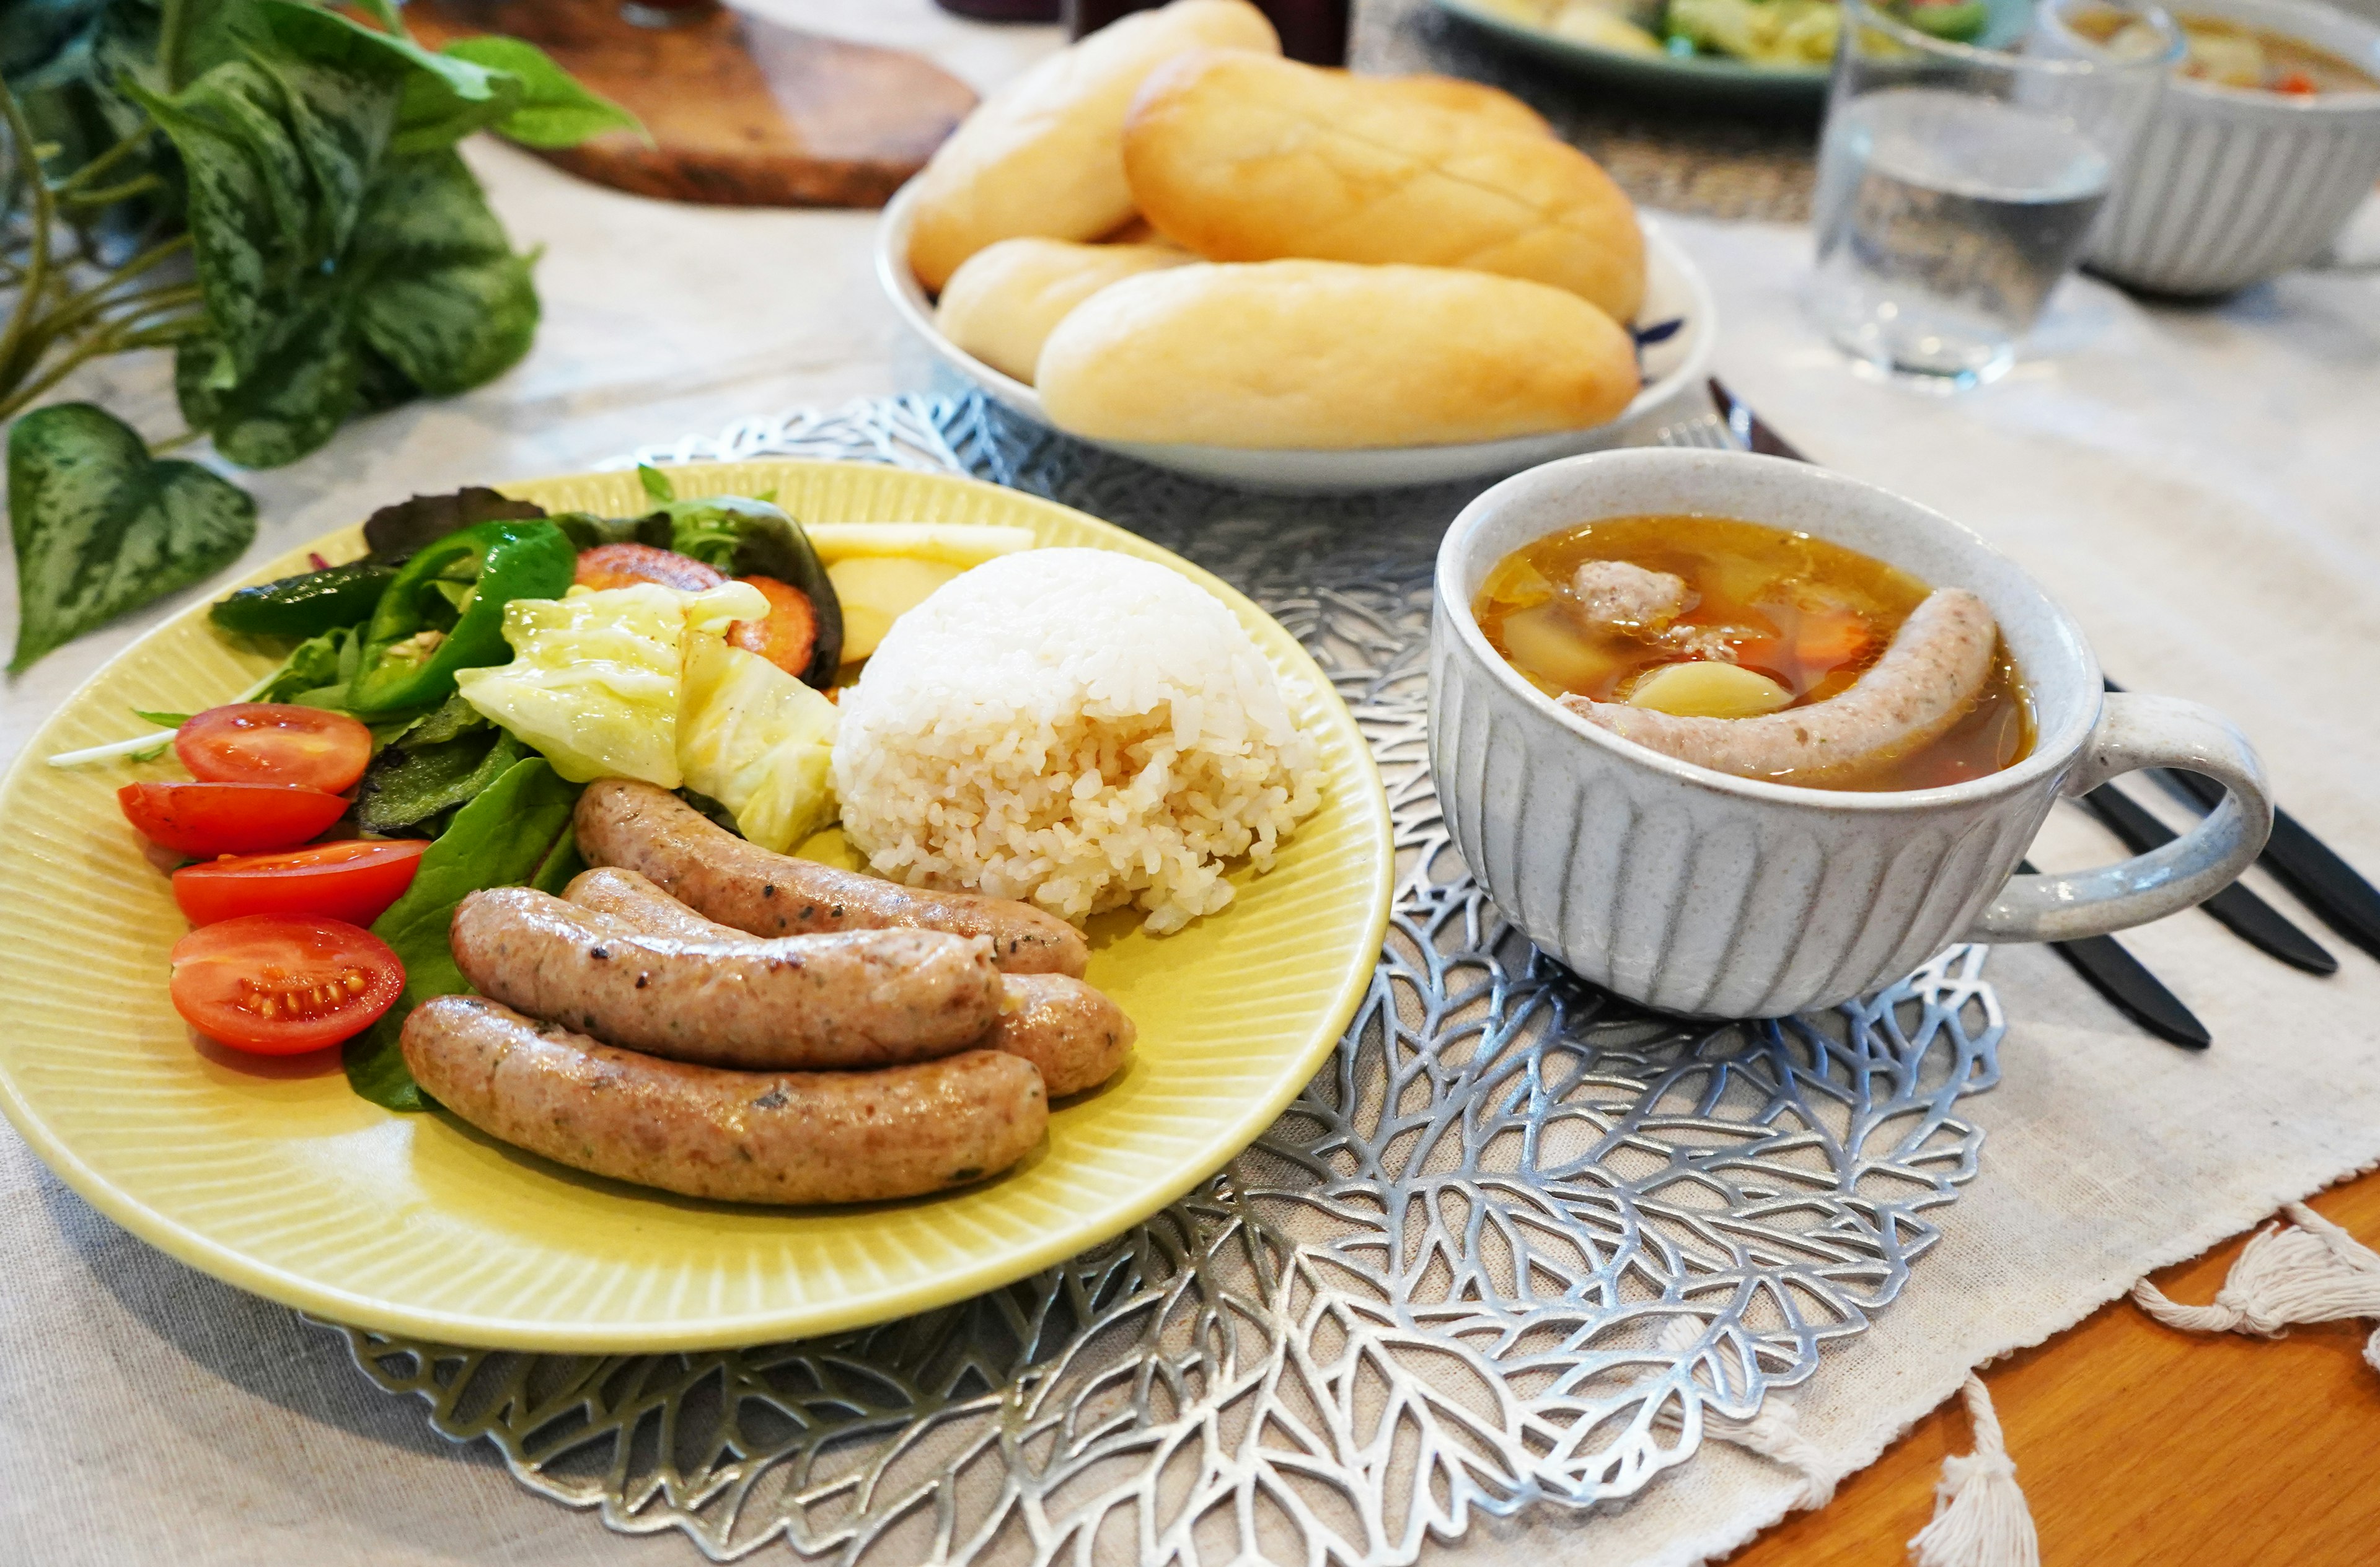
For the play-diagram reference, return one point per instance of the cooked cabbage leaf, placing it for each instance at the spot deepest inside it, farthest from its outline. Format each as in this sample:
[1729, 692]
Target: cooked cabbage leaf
[757, 740]
[593, 683]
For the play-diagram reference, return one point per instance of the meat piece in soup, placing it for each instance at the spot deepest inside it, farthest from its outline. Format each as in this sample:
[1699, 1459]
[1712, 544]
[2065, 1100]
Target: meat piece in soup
[1759, 651]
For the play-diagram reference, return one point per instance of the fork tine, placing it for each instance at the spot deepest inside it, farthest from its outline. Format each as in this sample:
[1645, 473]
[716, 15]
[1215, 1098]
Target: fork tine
[1707, 433]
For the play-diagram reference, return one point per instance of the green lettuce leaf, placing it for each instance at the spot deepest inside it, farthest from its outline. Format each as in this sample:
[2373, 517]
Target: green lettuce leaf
[101, 527]
[516, 833]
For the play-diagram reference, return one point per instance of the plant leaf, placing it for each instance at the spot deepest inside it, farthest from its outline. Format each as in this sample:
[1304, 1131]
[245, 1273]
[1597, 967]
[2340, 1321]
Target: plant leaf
[280, 153]
[441, 295]
[101, 527]
[47, 43]
[555, 109]
[442, 100]
[387, 14]
[284, 405]
[516, 829]
[657, 483]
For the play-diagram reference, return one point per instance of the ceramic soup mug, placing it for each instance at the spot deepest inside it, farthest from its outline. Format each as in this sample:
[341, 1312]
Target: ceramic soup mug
[1699, 892]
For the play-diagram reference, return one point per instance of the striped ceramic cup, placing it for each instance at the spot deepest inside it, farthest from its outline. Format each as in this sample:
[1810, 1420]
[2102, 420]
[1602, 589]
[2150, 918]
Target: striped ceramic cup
[2230, 187]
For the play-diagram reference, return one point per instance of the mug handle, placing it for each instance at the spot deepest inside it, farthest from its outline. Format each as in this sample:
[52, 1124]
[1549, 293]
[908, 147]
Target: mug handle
[2136, 731]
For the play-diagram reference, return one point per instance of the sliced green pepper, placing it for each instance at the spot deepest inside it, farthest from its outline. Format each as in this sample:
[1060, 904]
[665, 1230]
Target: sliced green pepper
[308, 604]
[446, 610]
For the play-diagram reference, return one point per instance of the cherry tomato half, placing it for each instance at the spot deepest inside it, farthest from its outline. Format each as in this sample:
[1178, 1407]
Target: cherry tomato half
[622, 565]
[787, 634]
[352, 881]
[274, 986]
[208, 819]
[274, 743]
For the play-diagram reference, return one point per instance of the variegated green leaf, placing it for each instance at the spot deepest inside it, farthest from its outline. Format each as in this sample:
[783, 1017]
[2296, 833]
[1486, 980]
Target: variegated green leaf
[443, 298]
[101, 528]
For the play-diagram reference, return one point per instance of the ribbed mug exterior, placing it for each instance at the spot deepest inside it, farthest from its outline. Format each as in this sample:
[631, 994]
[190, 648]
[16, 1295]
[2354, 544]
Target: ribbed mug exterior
[2230, 187]
[1686, 899]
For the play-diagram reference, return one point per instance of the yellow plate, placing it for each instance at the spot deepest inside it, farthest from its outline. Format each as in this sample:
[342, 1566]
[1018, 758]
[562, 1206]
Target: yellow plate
[284, 1183]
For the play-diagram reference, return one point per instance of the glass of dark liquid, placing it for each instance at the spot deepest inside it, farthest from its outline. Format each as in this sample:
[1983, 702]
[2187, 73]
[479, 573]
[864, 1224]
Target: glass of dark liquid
[1311, 31]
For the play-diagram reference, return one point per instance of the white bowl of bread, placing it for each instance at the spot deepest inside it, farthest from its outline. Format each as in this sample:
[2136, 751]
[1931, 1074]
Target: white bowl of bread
[1172, 243]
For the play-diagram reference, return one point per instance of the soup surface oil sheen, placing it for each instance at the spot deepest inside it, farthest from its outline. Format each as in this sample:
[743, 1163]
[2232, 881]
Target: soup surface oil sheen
[1809, 614]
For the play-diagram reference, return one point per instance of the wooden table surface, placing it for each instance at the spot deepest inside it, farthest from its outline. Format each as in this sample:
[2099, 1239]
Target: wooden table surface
[2139, 1445]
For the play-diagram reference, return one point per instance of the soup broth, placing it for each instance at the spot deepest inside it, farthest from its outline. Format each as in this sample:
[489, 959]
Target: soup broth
[1806, 614]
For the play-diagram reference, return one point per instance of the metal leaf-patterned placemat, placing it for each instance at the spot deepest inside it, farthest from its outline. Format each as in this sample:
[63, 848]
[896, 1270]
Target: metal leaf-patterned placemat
[1512, 1247]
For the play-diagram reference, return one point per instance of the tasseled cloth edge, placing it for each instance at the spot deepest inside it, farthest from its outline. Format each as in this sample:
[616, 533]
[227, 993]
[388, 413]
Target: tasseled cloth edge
[1980, 1516]
[2306, 1271]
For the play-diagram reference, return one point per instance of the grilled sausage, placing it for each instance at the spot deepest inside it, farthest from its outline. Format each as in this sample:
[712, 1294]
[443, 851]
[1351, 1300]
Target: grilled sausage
[1925, 681]
[861, 998]
[1075, 1036]
[650, 831]
[736, 1137]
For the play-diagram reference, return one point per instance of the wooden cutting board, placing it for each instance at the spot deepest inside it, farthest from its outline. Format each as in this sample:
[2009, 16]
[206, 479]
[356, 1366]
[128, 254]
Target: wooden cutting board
[744, 112]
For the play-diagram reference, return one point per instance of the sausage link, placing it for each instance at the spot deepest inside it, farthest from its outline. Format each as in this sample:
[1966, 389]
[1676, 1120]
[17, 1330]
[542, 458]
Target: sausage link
[1075, 1035]
[861, 998]
[649, 830]
[1925, 681]
[736, 1137]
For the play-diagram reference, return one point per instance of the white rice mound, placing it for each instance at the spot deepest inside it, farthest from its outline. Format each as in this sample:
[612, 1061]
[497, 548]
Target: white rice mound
[1076, 728]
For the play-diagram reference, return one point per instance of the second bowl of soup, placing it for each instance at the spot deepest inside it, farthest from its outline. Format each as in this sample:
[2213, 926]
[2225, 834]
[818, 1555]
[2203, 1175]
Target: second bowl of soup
[2263, 144]
[1733, 736]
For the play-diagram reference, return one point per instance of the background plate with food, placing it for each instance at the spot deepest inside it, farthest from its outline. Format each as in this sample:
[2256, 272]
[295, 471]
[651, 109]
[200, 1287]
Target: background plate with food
[1735, 53]
[296, 1180]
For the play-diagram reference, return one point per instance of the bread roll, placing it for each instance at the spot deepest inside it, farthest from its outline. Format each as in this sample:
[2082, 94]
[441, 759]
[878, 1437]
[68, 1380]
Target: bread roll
[1326, 353]
[1042, 156]
[1465, 97]
[1247, 158]
[1003, 299]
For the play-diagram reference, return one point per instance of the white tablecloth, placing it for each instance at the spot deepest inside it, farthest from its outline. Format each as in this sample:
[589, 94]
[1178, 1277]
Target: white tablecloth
[2202, 487]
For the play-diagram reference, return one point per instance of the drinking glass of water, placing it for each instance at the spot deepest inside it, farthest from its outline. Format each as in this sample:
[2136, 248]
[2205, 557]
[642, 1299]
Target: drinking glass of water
[1957, 182]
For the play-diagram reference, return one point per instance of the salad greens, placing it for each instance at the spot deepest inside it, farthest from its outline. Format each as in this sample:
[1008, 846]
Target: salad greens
[393, 532]
[445, 611]
[516, 833]
[270, 189]
[437, 762]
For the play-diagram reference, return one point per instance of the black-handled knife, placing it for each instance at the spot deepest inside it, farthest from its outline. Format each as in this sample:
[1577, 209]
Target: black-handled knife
[2125, 981]
[2306, 866]
[2333, 889]
[2244, 913]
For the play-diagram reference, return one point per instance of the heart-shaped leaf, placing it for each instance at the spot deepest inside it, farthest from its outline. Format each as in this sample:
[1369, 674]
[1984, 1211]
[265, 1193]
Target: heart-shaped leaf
[101, 527]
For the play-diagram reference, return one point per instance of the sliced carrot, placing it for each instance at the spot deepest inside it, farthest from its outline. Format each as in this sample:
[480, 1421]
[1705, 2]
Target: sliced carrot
[787, 634]
[622, 565]
[1827, 638]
